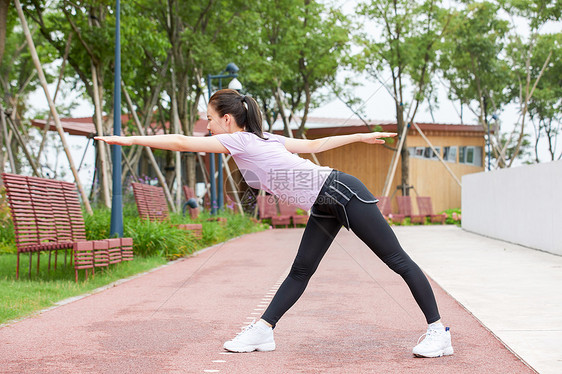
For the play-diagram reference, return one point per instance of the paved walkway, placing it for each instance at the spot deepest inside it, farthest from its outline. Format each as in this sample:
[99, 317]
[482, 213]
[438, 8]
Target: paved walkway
[355, 317]
[513, 290]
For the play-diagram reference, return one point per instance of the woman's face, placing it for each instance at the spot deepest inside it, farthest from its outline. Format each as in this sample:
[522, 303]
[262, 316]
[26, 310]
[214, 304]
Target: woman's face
[220, 125]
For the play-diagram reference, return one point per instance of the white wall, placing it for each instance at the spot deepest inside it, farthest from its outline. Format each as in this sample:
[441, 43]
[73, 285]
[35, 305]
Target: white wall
[520, 205]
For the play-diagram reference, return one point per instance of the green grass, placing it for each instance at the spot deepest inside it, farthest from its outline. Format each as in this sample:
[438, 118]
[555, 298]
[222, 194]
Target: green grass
[27, 295]
[154, 244]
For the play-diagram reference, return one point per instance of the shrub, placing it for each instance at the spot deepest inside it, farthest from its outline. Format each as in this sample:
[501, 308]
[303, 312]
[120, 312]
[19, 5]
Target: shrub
[149, 238]
[159, 238]
[7, 238]
[453, 217]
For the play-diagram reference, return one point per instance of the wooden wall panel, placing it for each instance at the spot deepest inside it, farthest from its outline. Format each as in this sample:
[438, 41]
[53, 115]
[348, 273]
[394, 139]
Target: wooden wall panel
[430, 178]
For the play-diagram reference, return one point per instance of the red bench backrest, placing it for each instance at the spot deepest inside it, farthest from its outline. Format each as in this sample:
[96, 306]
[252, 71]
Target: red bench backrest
[151, 202]
[19, 198]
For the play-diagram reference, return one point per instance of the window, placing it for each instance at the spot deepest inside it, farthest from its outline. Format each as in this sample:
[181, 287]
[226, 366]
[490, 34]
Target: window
[416, 152]
[470, 155]
[429, 154]
[424, 152]
[477, 156]
[450, 154]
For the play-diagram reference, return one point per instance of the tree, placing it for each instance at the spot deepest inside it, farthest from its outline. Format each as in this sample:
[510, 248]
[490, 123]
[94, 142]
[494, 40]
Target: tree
[473, 64]
[546, 104]
[408, 37]
[200, 37]
[17, 80]
[295, 49]
[90, 21]
[527, 66]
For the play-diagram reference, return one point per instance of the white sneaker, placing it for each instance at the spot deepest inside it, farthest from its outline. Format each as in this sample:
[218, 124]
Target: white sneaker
[437, 343]
[255, 337]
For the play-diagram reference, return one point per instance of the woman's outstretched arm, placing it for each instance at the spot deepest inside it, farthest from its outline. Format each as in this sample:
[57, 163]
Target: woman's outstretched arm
[330, 142]
[172, 142]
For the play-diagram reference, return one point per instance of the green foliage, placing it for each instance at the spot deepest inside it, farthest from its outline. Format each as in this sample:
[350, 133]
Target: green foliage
[7, 239]
[296, 46]
[469, 59]
[453, 217]
[545, 106]
[236, 225]
[160, 239]
[16, 66]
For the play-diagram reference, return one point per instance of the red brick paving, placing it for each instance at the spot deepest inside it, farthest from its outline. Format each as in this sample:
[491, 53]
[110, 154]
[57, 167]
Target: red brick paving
[356, 316]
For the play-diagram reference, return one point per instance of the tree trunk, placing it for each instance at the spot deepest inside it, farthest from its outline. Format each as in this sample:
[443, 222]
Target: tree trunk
[528, 96]
[191, 162]
[22, 143]
[6, 140]
[176, 130]
[61, 73]
[4, 5]
[281, 109]
[404, 154]
[103, 175]
[308, 98]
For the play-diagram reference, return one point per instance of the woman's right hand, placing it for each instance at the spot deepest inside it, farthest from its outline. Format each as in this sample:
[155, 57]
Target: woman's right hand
[117, 140]
[375, 137]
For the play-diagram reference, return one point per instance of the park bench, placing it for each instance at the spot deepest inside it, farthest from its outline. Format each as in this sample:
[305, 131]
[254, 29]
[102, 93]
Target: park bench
[384, 206]
[279, 213]
[404, 209]
[47, 217]
[267, 208]
[290, 212]
[426, 209]
[151, 205]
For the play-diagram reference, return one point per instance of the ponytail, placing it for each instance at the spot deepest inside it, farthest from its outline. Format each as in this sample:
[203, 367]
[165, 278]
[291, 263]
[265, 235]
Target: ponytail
[244, 109]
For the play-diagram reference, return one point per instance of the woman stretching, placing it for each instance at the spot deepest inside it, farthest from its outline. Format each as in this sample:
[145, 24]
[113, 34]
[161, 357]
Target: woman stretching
[334, 198]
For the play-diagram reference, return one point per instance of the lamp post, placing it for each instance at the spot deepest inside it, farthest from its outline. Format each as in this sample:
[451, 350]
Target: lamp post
[116, 226]
[232, 72]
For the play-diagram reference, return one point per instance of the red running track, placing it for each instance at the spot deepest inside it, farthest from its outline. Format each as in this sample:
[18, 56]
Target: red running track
[356, 316]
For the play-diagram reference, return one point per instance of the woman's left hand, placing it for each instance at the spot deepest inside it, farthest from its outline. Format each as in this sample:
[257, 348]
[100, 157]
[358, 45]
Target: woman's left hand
[375, 137]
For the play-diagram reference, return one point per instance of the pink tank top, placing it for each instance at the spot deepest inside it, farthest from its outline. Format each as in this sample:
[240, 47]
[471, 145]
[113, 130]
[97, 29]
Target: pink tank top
[267, 165]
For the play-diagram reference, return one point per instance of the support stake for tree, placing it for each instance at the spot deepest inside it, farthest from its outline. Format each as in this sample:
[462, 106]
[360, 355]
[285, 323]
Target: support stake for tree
[392, 170]
[7, 139]
[151, 158]
[21, 142]
[438, 155]
[56, 118]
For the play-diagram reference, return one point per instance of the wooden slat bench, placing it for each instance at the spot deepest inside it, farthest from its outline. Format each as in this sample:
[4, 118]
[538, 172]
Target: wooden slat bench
[152, 205]
[47, 217]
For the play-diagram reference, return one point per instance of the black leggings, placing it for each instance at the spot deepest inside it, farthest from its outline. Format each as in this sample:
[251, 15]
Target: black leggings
[369, 225]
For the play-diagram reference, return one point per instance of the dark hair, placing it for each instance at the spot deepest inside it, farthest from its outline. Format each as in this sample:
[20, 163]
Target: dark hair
[247, 116]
